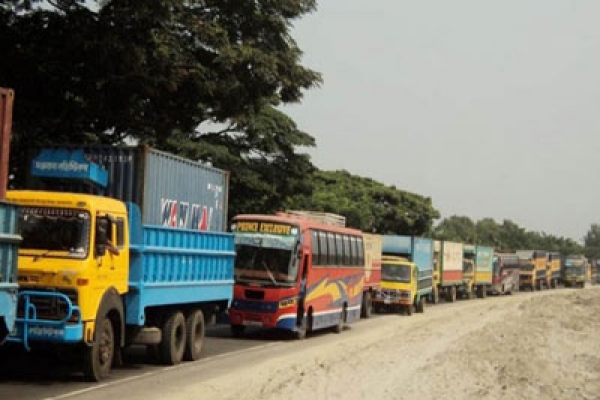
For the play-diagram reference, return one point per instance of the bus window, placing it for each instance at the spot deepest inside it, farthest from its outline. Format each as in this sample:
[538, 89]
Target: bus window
[361, 254]
[347, 253]
[331, 248]
[323, 258]
[339, 249]
[314, 238]
[353, 245]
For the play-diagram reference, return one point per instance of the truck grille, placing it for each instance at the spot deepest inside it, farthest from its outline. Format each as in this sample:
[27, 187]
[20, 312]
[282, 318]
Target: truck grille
[49, 307]
[255, 294]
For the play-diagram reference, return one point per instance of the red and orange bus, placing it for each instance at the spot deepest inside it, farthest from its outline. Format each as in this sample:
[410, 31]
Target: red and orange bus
[295, 273]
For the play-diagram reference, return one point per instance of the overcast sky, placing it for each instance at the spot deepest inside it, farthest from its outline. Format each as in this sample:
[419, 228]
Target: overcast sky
[491, 108]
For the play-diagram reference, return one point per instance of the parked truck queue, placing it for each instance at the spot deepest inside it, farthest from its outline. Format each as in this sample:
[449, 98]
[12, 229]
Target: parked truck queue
[99, 273]
[111, 247]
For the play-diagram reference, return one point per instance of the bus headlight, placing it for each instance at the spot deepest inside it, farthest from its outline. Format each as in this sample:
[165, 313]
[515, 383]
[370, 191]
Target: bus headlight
[287, 302]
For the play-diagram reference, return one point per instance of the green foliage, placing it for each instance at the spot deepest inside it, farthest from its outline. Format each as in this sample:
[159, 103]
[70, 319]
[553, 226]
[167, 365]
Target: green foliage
[260, 152]
[506, 237]
[592, 242]
[152, 71]
[368, 205]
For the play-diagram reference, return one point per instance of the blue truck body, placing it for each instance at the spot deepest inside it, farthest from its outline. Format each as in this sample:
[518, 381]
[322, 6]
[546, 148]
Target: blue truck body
[9, 242]
[415, 249]
[176, 266]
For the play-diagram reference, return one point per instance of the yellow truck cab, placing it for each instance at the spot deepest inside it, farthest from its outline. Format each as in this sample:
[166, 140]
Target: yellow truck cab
[399, 286]
[77, 244]
[532, 265]
[553, 267]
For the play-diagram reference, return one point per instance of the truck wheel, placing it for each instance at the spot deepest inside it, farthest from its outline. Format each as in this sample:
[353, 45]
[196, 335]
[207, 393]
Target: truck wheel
[421, 305]
[409, 310]
[340, 325]
[194, 338]
[172, 344]
[302, 331]
[238, 330]
[97, 358]
[452, 294]
[483, 292]
[366, 308]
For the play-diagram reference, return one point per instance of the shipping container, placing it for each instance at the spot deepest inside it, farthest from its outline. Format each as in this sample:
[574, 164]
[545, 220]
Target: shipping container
[484, 261]
[451, 263]
[414, 249]
[170, 190]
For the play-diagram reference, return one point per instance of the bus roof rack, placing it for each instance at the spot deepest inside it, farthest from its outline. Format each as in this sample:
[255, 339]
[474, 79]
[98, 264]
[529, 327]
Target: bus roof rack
[323, 217]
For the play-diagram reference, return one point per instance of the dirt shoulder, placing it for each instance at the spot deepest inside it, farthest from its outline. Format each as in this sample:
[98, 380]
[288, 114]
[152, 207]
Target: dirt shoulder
[542, 345]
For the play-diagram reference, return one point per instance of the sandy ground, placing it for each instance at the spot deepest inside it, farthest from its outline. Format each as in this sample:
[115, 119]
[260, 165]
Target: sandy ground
[542, 345]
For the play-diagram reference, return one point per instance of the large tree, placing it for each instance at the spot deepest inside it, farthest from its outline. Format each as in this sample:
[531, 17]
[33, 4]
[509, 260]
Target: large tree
[367, 204]
[507, 237]
[157, 72]
[592, 242]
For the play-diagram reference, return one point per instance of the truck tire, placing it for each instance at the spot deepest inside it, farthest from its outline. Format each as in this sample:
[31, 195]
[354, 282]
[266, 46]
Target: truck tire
[194, 337]
[340, 325]
[172, 346]
[366, 308]
[452, 294]
[482, 292]
[238, 330]
[98, 357]
[303, 329]
[409, 310]
[435, 295]
[421, 305]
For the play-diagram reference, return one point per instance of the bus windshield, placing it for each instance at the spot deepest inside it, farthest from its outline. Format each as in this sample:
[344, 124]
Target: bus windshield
[267, 259]
[395, 273]
[54, 232]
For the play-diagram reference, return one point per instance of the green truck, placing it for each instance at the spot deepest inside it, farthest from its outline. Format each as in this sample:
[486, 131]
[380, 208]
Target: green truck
[574, 271]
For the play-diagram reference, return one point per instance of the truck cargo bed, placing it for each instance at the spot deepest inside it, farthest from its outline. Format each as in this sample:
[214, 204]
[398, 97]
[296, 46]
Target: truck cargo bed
[177, 266]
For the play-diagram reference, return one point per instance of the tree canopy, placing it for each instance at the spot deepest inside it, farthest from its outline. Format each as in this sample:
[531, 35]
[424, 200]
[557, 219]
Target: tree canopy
[367, 204]
[592, 242]
[198, 78]
[507, 236]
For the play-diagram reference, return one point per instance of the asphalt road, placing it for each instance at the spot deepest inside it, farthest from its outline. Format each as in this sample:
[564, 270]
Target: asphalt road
[43, 375]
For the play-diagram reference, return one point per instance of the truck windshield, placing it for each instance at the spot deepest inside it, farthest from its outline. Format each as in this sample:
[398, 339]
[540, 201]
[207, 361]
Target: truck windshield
[526, 267]
[573, 263]
[54, 232]
[496, 267]
[267, 259]
[468, 266]
[574, 269]
[395, 273]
